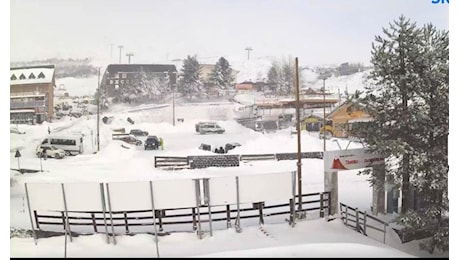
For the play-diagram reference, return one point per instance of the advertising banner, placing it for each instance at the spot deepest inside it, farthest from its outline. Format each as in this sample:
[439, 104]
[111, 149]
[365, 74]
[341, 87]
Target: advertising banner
[341, 160]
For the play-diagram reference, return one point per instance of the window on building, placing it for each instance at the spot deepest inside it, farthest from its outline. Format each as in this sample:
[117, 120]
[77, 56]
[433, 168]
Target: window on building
[123, 75]
[41, 75]
[31, 76]
[116, 81]
[22, 76]
[122, 81]
[111, 81]
[13, 77]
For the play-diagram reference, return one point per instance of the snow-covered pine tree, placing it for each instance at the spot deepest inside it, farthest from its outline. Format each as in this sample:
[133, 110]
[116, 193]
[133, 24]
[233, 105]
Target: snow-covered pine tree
[150, 86]
[288, 77]
[189, 82]
[274, 77]
[431, 156]
[408, 99]
[221, 75]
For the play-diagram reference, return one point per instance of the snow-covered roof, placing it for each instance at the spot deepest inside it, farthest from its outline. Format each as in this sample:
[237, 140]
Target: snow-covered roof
[31, 75]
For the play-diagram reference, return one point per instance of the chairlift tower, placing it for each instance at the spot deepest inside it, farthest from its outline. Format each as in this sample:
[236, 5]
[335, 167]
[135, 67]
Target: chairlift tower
[249, 49]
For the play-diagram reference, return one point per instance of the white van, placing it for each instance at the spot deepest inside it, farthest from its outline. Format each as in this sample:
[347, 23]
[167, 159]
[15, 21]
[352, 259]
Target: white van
[70, 144]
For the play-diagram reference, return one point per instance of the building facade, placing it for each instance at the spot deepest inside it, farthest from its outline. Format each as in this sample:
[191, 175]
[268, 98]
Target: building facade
[32, 94]
[344, 116]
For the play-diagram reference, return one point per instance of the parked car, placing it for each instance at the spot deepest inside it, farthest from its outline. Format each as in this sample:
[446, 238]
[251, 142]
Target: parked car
[127, 138]
[151, 143]
[231, 146]
[138, 132]
[209, 127]
[50, 151]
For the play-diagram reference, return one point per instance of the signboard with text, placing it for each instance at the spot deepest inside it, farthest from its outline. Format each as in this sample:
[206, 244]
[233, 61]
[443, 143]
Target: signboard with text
[341, 160]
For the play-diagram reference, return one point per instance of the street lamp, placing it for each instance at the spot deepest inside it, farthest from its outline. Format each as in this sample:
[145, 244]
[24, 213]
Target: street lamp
[121, 47]
[324, 76]
[129, 57]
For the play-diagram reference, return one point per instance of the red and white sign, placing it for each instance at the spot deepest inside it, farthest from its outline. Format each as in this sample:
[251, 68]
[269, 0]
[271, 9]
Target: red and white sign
[341, 160]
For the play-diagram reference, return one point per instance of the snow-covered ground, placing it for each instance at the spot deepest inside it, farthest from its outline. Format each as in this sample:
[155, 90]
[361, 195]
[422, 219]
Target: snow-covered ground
[311, 237]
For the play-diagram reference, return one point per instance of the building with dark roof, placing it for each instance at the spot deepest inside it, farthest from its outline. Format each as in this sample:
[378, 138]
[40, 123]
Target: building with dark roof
[118, 77]
[32, 94]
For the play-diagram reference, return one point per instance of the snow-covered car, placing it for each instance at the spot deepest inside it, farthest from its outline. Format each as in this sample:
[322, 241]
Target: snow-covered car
[209, 127]
[127, 138]
[50, 151]
[138, 132]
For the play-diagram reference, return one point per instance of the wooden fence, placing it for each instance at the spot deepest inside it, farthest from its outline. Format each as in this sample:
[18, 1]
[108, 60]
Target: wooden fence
[98, 222]
[361, 221]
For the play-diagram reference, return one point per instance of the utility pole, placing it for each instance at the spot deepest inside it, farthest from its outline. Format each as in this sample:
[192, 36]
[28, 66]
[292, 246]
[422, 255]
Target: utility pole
[129, 57]
[121, 47]
[98, 105]
[299, 150]
[249, 49]
[324, 114]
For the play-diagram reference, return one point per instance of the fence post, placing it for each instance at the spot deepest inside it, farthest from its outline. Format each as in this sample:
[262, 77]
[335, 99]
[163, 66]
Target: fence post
[160, 213]
[63, 220]
[384, 232]
[94, 222]
[328, 203]
[357, 219]
[321, 206]
[292, 201]
[346, 215]
[36, 219]
[229, 224]
[261, 213]
[193, 219]
[365, 223]
[341, 211]
[126, 222]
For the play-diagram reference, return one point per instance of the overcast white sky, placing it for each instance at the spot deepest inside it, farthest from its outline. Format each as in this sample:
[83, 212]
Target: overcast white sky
[316, 31]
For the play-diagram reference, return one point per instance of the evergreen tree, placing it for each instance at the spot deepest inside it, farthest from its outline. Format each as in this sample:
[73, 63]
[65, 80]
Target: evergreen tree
[288, 77]
[189, 82]
[274, 77]
[408, 99]
[221, 75]
[281, 77]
